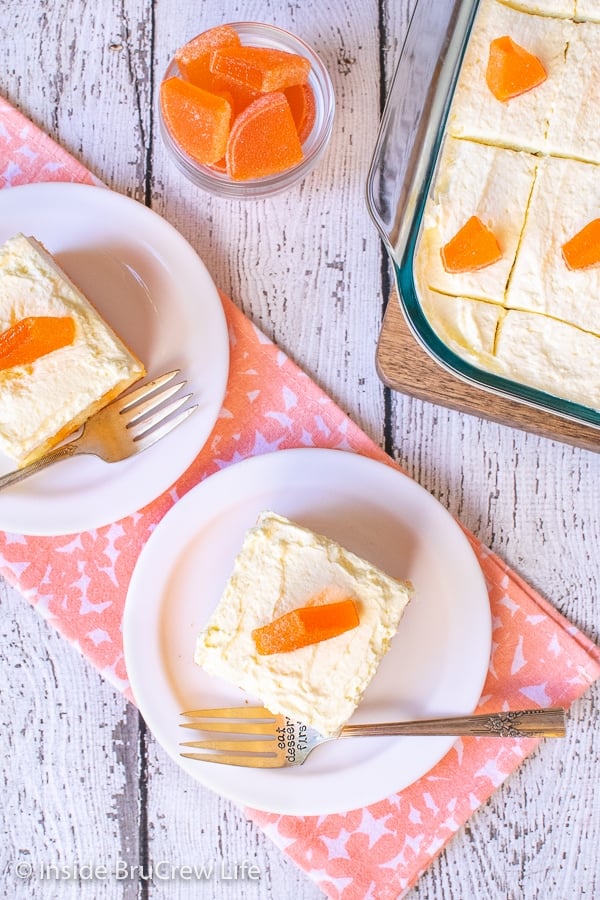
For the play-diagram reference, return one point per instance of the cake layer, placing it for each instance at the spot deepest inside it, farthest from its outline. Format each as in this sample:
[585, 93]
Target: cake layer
[283, 566]
[574, 130]
[551, 356]
[44, 401]
[483, 181]
[521, 122]
[565, 198]
[468, 327]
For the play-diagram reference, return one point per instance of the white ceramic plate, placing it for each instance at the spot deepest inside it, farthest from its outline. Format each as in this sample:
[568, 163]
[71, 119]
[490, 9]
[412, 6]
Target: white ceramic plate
[154, 290]
[438, 660]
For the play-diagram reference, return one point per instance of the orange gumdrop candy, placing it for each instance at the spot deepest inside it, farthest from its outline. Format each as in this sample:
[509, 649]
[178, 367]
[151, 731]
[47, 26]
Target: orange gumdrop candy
[197, 120]
[260, 68]
[473, 247]
[582, 251]
[263, 139]
[33, 337]
[304, 626]
[304, 110]
[193, 59]
[512, 70]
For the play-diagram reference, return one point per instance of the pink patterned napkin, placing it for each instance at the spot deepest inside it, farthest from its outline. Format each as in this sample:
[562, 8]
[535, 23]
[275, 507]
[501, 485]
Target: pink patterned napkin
[79, 582]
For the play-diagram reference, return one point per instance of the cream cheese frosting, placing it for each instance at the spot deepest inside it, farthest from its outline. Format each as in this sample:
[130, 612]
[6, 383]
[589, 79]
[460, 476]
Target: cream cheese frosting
[551, 356]
[573, 129]
[473, 179]
[566, 197]
[283, 566]
[467, 326]
[587, 10]
[521, 123]
[540, 324]
[40, 403]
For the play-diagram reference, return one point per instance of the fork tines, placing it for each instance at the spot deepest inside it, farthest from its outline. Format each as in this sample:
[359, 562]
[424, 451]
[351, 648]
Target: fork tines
[236, 720]
[147, 408]
[241, 751]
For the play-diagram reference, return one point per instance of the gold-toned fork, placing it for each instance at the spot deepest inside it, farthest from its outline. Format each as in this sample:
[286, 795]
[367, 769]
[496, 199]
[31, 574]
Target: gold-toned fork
[255, 737]
[128, 425]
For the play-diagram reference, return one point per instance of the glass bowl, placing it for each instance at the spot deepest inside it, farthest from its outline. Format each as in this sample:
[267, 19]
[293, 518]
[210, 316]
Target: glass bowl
[402, 174]
[257, 34]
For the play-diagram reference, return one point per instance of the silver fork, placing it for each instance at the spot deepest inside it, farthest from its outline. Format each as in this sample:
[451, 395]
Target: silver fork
[283, 742]
[128, 425]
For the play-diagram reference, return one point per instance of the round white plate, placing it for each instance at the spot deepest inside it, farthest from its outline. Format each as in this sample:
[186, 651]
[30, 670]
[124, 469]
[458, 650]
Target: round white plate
[438, 660]
[154, 290]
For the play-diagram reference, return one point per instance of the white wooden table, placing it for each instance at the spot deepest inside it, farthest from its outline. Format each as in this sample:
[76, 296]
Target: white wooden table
[83, 780]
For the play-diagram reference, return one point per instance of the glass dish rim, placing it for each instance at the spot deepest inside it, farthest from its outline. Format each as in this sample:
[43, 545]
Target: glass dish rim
[402, 250]
[220, 185]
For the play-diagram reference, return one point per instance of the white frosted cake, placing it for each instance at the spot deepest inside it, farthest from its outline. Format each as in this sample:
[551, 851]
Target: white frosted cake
[523, 122]
[281, 567]
[50, 394]
[528, 306]
[472, 180]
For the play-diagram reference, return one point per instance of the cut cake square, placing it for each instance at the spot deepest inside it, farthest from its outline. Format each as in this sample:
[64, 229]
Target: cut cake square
[473, 180]
[562, 8]
[574, 122]
[550, 355]
[566, 197]
[522, 122]
[46, 400]
[283, 566]
[468, 327]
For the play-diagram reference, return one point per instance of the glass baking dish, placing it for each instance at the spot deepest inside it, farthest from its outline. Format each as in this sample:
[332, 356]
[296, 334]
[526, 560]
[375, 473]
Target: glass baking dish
[402, 173]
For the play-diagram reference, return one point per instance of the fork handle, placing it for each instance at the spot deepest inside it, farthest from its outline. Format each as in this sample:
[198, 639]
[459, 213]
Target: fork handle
[64, 452]
[515, 723]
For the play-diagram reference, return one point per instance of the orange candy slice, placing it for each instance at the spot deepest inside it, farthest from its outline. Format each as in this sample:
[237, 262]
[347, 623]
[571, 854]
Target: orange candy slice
[304, 111]
[512, 70]
[193, 59]
[304, 626]
[260, 68]
[33, 337]
[582, 251]
[197, 119]
[263, 139]
[473, 247]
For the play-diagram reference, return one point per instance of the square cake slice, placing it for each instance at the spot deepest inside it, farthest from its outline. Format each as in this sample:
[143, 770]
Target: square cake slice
[283, 566]
[467, 327]
[574, 127]
[475, 180]
[565, 199]
[521, 122]
[48, 396]
[551, 356]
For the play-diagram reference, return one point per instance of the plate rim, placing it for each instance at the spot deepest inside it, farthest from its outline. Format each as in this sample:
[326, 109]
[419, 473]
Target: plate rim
[130, 627]
[84, 516]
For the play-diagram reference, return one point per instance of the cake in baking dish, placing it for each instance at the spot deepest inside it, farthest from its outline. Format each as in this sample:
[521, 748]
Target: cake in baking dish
[507, 265]
[281, 567]
[60, 362]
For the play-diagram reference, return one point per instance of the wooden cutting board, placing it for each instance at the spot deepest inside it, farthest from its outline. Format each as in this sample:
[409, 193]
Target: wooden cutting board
[404, 366]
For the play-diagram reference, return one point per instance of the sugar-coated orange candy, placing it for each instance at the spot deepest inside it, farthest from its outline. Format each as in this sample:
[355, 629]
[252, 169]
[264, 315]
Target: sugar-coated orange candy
[260, 68]
[33, 337]
[304, 626]
[512, 70]
[263, 139]
[302, 104]
[473, 247]
[193, 59]
[582, 251]
[197, 119]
